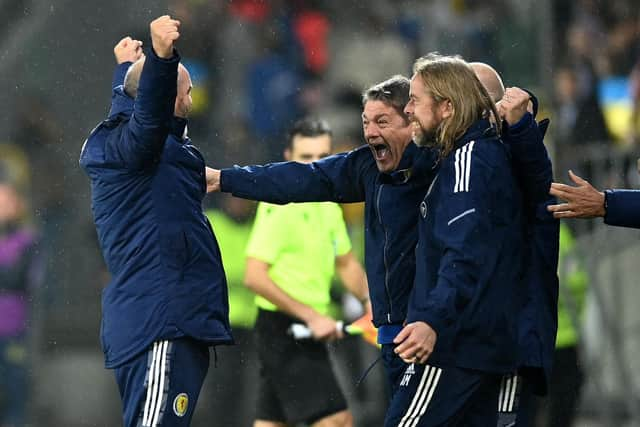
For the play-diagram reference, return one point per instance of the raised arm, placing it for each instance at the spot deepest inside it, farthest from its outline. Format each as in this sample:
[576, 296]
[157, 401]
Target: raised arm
[339, 178]
[525, 136]
[126, 51]
[141, 141]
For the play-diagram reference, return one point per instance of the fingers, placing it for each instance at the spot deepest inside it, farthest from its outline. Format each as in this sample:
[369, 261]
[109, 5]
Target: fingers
[164, 32]
[575, 178]
[561, 207]
[404, 333]
[128, 50]
[123, 42]
[566, 214]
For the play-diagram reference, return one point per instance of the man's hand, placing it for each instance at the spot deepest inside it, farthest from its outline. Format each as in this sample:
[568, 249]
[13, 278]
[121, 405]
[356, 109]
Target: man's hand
[128, 50]
[513, 105]
[164, 32]
[213, 179]
[324, 328]
[415, 342]
[583, 201]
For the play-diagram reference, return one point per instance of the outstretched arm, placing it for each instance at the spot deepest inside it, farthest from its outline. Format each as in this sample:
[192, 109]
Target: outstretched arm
[618, 206]
[581, 201]
[339, 178]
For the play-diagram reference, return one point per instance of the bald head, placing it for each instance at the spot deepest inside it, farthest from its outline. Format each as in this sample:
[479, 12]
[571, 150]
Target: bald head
[132, 78]
[183, 96]
[490, 79]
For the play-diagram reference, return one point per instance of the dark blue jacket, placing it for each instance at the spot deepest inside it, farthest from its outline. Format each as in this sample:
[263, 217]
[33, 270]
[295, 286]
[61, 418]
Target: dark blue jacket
[622, 208]
[147, 186]
[469, 256]
[539, 315]
[390, 211]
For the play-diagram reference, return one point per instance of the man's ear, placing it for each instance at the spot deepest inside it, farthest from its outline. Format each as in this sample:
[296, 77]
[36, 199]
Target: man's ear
[287, 154]
[446, 109]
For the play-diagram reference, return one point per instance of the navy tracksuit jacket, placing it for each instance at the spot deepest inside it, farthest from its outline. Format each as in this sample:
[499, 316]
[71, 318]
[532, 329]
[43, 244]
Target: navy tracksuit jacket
[147, 186]
[469, 256]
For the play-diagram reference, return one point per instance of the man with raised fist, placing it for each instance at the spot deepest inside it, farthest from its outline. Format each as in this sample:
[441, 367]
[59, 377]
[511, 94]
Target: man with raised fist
[166, 302]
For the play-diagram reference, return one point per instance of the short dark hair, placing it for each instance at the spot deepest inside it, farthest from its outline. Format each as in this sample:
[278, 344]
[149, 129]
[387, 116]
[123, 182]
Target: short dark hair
[308, 127]
[394, 92]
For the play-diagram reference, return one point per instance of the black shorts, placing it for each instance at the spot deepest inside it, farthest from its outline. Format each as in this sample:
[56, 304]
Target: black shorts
[297, 382]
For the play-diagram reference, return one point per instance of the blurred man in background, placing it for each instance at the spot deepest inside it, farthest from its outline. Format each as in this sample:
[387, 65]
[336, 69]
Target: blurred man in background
[292, 254]
[20, 276]
[237, 372]
[167, 300]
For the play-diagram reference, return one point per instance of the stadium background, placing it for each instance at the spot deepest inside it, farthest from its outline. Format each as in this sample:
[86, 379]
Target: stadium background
[256, 67]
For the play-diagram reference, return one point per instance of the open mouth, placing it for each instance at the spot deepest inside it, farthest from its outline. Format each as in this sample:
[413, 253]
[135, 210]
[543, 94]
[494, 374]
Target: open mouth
[381, 151]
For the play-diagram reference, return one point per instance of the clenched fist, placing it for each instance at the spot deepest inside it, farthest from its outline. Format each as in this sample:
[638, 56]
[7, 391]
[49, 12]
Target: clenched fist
[128, 50]
[513, 105]
[164, 32]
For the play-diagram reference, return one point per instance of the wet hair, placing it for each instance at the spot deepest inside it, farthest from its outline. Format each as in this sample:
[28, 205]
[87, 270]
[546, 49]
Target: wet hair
[451, 78]
[393, 92]
[308, 127]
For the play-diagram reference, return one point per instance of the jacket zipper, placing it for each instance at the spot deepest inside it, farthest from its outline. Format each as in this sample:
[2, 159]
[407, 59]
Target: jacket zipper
[384, 256]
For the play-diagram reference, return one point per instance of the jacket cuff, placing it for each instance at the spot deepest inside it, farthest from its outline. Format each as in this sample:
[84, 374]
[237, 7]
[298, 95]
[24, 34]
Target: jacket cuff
[622, 208]
[119, 74]
[522, 125]
[225, 173]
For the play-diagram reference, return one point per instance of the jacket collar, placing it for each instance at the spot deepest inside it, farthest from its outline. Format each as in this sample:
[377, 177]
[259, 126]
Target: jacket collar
[403, 172]
[121, 103]
[178, 127]
[479, 129]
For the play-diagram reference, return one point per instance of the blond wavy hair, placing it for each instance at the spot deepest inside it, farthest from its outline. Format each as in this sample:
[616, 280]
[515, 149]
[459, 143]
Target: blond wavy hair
[451, 78]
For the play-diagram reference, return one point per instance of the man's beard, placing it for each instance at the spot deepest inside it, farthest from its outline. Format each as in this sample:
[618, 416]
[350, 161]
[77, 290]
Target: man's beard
[423, 138]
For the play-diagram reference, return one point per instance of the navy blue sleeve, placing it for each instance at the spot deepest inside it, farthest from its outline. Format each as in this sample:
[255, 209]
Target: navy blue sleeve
[338, 178]
[119, 73]
[119, 99]
[143, 139]
[622, 208]
[463, 227]
[530, 160]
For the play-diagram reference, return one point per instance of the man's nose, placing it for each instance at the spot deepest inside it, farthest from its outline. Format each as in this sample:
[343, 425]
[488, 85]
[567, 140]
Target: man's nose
[408, 109]
[371, 130]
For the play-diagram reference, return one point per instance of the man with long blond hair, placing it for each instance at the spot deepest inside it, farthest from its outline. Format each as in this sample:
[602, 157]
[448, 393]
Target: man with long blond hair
[461, 329]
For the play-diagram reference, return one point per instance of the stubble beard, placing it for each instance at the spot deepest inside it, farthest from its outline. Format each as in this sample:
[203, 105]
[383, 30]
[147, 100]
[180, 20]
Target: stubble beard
[423, 138]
